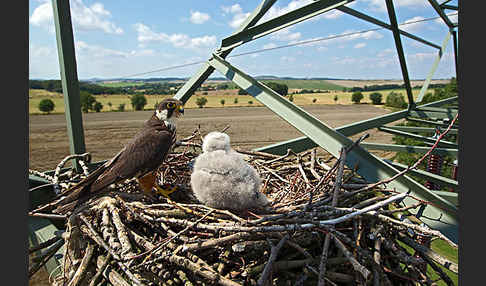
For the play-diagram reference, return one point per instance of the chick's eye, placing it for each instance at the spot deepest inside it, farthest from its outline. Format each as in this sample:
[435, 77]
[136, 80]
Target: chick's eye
[170, 105]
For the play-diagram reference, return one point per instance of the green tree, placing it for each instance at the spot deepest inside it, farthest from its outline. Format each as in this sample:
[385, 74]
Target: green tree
[87, 100]
[236, 100]
[395, 99]
[356, 96]
[250, 101]
[201, 101]
[314, 100]
[121, 107]
[376, 97]
[222, 101]
[109, 104]
[46, 105]
[291, 98]
[280, 88]
[242, 92]
[138, 101]
[335, 98]
[97, 106]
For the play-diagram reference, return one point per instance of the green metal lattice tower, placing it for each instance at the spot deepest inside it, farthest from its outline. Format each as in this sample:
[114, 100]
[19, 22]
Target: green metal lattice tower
[440, 214]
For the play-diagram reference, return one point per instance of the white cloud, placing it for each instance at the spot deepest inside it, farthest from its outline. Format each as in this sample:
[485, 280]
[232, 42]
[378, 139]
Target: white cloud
[94, 51]
[199, 17]
[238, 15]
[412, 27]
[234, 9]
[84, 18]
[146, 35]
[286, 35]
[380, 5]
[269, 46]
[287, 59]
[360, 45]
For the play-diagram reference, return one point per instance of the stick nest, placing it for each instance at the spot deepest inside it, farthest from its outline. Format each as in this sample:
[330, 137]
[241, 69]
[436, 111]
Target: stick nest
[306, 238]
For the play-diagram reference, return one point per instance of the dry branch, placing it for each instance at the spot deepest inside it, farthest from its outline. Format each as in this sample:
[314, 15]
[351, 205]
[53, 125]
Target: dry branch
[320, 211]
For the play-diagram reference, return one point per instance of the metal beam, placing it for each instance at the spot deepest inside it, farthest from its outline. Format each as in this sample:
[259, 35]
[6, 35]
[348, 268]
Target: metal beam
[280, 22]
[401, 54]
[450, 7]
[440, 214]
[303, 143]
[440, 124]
[442, 143]
[443, 181]
[187, 90]
[365, 17]
[454, 41]
[432, 114]
[433, 68]
[408, 149]
[441, 13]
[419, 129]
[69, 78]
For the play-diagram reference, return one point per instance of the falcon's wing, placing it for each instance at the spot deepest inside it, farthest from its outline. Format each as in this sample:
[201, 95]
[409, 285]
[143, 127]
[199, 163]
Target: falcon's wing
[143, 154]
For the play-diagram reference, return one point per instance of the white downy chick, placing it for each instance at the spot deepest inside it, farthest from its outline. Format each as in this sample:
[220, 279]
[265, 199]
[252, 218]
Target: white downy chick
[222, 179]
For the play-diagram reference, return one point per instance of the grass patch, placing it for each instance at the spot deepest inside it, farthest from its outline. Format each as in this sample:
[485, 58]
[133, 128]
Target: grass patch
[214, 99]
[444, 249]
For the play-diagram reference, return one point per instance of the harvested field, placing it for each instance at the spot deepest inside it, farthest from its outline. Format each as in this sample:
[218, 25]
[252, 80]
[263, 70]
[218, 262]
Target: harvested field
[362, 83]
[250, 127]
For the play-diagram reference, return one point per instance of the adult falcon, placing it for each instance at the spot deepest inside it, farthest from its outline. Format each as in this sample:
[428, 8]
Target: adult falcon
[140, 158]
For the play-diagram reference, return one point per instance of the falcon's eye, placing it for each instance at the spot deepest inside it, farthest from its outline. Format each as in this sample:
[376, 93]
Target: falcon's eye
[170, 105]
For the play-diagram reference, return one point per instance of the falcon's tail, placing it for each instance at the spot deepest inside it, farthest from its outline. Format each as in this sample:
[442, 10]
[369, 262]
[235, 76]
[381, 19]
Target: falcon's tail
[70, 196]
[67, 200]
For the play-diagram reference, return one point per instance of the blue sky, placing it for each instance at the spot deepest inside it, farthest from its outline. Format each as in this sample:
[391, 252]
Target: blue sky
[124, 38]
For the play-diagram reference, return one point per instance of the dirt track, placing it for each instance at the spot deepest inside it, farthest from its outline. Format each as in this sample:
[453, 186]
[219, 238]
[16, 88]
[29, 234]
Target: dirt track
[250, 127]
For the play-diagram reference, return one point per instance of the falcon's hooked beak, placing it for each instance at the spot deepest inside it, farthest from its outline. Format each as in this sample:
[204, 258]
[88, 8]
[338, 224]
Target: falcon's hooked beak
[179, 111]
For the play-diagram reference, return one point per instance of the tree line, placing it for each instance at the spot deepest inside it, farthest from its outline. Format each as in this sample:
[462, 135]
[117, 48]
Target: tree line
[376, 87]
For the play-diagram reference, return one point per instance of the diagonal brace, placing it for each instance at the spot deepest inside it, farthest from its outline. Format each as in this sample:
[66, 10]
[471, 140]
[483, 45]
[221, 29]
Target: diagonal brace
[440, 214]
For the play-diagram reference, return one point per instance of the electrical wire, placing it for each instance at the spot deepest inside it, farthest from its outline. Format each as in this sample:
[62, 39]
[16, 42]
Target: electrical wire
[282, 46]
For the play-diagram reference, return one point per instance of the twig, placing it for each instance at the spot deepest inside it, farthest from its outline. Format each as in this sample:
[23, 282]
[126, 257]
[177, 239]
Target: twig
[337, 188]
[80, 272]
[92, 233]
[356, 265]
[273, 256]
[45, 257]
[101, 269]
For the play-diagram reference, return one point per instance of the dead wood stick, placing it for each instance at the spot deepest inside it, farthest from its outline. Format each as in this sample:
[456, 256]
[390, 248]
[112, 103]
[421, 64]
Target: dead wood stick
[415, 227]
[273, 256]
[81, 271]
[195, 268]
[286, 227]
[101, 268]
[48, 216]
[377, 258]
[215, 241]
[429, 253]
[327, 240]
[356, 265]
[45, 257]
[175, 236]
[126, 246]
[44, 244]
[109, 273]
[91, 232]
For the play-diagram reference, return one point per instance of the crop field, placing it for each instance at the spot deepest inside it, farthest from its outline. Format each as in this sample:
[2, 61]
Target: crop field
[214, 99]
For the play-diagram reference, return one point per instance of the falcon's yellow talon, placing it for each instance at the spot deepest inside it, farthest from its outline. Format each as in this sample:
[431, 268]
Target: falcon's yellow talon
[165, 191]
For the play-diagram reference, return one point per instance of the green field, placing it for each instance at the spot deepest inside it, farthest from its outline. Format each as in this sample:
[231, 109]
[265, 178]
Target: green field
[307, 84]
[214, 99]
[120, 84]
